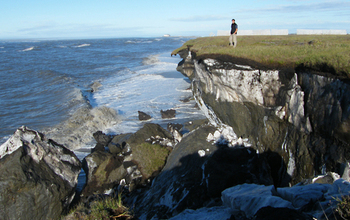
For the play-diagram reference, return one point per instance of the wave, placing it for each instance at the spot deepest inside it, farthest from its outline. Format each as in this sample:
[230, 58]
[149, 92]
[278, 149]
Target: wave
[83, 45]
[29, 49]
[139, 41]
[77, 131]
[152, 59]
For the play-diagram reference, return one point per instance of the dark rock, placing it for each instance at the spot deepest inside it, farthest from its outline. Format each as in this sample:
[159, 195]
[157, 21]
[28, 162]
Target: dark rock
[179, 185]
[168, 113]
[98, 147]
[233, 166]
[119, 145]
[115, 148]
[171, 127]
[103, 172]
[270, 213]
[185, 100]
[38, 177]
[143, 116]
[102, 138]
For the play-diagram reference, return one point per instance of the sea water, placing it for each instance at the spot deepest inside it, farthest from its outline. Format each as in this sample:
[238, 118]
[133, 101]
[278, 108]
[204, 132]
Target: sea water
[69, 89]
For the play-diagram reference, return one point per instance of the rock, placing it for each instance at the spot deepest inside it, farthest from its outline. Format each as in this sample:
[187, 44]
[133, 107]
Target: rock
[104, 171]
[115, 149]
[217, 213]
[314, 200]
[130, 161]
[102, 138]
[143, 116]
[119, 145]
[38, 177]
[175, 130]
[179, 185]
[233, 166]
[168, 113]
[95, 86]
[270, 213]
[98, 147]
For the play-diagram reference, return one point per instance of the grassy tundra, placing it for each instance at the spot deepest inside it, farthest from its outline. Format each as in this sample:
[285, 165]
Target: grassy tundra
[321, 53]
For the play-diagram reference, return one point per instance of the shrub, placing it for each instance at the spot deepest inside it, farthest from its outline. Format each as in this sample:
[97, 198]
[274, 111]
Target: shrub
[104, 209]
[343, 207]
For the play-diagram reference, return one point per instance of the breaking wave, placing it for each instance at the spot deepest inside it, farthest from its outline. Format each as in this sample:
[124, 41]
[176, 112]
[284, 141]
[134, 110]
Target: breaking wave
[29, 49]
[83, 45]
[78, 130]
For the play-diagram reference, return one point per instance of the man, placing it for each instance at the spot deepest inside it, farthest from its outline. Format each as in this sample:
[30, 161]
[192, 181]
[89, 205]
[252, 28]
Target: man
[233, 37]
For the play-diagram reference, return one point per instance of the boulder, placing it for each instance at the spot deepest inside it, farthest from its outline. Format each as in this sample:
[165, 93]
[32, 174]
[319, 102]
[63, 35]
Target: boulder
[38, 176]
[144, 116]
[102, 138]
[267, 202]
[104, 171]
[168, 113]
[149, 147]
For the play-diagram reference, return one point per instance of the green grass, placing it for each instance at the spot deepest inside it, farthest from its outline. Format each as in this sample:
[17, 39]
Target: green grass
[107, 208]
[329, 53]
[343, 207]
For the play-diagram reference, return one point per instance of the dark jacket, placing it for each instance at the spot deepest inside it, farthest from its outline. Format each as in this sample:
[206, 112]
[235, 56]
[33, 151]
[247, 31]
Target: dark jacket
[233, 28]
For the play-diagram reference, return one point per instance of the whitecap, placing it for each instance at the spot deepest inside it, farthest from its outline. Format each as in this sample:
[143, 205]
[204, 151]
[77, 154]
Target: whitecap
[83, 45]
[77, 131]
[29, 49]
[152, 59]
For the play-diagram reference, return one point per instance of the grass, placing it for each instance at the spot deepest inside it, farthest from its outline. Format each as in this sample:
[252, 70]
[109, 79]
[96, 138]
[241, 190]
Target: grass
[329, 53]
[106, 208]
[343, 207]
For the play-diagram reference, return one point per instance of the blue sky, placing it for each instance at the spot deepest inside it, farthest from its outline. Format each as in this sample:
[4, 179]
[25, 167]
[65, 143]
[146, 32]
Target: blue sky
[153, 18]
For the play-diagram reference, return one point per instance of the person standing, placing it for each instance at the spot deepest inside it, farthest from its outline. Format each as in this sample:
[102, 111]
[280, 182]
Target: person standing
[233, 35]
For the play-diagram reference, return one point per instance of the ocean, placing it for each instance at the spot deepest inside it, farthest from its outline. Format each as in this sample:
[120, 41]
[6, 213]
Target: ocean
[68, 89]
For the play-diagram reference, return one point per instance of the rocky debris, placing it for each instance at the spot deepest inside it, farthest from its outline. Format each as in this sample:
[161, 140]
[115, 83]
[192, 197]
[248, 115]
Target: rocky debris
[38, 176]
[128, 161]
[313, 200]
[144, 116]
[259, 202]
[178, 186]
[197, 171]
[168, 113]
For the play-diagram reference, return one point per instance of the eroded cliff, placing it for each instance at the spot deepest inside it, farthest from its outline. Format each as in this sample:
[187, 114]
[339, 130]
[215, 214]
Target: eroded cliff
[302, 116]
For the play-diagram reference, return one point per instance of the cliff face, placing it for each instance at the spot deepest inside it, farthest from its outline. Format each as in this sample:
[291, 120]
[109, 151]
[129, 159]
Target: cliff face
[302, 116]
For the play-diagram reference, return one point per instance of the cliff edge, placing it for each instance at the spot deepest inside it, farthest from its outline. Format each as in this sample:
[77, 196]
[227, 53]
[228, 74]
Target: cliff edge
[302, 116]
